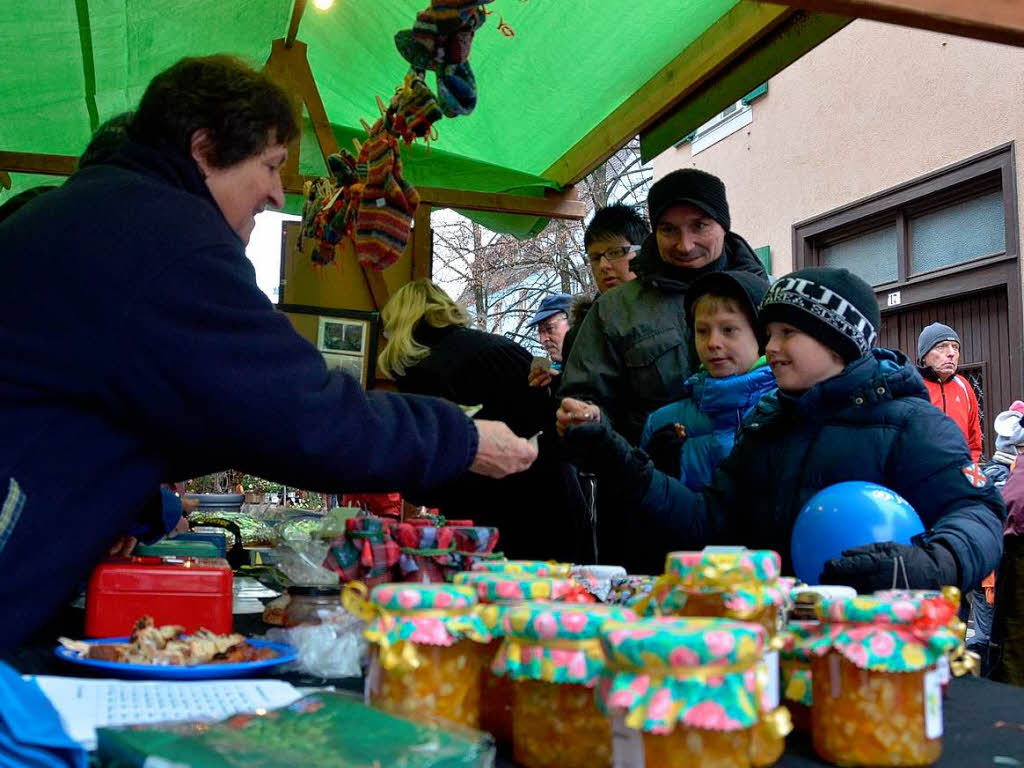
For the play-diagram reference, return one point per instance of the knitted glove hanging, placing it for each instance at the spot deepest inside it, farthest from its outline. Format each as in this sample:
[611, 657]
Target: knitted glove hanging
[413, 109]
[386, 202]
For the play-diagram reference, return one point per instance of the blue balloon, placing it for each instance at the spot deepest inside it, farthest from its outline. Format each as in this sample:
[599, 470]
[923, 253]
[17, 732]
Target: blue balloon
[847, 515]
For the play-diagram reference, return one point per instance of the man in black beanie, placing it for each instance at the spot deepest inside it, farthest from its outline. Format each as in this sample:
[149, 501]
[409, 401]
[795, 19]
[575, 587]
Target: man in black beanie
[631, 355]
[844, 411]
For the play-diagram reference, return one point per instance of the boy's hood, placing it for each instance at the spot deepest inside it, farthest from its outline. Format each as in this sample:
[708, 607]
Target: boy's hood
[882, 374]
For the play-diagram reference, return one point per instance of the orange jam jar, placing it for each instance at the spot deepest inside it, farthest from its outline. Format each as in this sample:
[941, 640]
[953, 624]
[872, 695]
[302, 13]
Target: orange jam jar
[959, 661]
[684, 693]
[795, 670]
[876, 686]
[524, 568]
[739, 584]
[496, 592]
[428, 651]
[553, 656]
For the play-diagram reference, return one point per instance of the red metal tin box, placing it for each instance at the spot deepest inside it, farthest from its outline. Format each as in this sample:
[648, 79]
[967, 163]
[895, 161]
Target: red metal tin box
[187, 591]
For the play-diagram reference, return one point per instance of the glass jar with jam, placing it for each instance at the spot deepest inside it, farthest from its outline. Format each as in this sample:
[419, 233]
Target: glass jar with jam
[683, 693]
[428, 650]
[739, 584]
[959, 661]
[312, 604]
[553, 655]
[877, 697]
[525, 567]
[496, 592]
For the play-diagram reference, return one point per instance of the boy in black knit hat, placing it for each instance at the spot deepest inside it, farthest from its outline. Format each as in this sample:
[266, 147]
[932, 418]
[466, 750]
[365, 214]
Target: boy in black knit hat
[844, 410]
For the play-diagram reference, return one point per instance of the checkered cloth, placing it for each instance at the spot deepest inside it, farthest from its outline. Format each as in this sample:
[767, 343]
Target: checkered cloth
[366, 552]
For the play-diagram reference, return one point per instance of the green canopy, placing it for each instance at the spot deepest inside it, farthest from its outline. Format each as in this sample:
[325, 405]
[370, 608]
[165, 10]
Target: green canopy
[562, 83]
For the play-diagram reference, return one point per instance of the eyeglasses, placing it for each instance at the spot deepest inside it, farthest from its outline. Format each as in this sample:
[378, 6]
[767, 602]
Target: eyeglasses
[612, 254]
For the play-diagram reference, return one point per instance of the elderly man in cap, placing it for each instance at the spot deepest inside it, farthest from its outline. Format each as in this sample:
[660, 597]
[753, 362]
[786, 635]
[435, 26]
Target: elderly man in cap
[632, 354]
[938, 354]
[552, 322]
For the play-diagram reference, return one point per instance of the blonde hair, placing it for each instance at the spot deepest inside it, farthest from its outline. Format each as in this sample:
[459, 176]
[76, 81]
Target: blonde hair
[417, 301]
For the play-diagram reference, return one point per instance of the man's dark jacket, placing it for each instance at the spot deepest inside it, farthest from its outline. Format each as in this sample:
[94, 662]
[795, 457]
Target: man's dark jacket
[633, 351]
[136, 348]
[874, 422]
[540, 512]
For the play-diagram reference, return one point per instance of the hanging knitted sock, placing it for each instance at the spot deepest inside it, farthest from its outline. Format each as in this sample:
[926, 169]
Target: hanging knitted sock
[386, 205]
[420, 46]
[456, 90]
[414, 109]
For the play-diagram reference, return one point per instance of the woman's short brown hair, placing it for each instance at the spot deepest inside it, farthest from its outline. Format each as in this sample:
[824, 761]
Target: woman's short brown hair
[242, 110]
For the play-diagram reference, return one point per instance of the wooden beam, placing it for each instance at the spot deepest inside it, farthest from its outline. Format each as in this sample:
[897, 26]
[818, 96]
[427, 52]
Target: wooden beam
[999, 21]
[799, 34]
[554, 205]
[726, 39]
[32, 162]
[293, 26]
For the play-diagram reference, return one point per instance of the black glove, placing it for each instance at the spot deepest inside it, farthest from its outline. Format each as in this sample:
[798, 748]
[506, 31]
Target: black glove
[871, 567]
[664, 448]
[599, 449]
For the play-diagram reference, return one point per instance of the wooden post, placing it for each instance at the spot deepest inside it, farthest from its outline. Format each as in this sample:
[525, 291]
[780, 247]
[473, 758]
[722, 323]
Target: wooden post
[422, 243]
[289, 66]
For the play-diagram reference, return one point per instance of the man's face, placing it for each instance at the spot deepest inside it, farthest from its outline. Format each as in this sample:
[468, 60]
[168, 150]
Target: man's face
[688, 237]
[610, 261]
[943, 358]
[551, 332]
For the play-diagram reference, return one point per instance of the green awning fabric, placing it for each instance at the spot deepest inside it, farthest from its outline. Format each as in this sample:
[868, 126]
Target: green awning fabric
[548, 72]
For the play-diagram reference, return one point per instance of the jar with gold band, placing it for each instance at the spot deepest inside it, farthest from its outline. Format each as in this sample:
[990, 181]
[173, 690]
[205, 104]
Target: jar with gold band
[553, 654]
[428, 650]
[684, 693]
[876, 689]
[497, 592]
[525, 567]
[959, 661]
[739, 584]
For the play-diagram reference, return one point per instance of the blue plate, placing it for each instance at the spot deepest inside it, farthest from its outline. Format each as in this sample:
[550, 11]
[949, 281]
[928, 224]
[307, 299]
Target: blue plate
[285, 654]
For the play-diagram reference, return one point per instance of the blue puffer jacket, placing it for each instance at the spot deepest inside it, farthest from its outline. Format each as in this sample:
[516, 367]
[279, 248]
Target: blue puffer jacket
[711, 410]
[873, 422]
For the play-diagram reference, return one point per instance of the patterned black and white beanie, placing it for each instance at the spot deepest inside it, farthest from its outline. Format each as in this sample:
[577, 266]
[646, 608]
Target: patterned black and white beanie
[833, 305]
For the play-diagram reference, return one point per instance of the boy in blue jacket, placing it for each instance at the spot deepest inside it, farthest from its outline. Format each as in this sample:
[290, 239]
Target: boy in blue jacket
[694, 434]
[843, 411]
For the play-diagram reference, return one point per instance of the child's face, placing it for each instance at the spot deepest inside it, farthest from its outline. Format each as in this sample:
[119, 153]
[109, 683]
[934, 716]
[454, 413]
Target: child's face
[725, 342]
[799, 361]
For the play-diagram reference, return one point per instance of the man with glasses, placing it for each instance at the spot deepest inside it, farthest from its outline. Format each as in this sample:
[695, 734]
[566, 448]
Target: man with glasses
[632, 355]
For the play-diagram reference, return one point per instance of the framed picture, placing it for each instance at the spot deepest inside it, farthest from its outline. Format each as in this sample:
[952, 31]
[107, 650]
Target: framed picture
[338, 334]
[346, 338]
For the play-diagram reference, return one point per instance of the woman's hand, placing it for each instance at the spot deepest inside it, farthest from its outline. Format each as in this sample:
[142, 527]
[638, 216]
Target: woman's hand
[573, 411]
[501, 451]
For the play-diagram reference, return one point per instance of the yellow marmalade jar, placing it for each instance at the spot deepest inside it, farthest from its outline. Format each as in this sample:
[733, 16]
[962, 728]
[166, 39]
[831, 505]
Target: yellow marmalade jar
[876, 688]
[684, 693]
[498, 591]
[553, 655]
[428, 650]
[738, 584]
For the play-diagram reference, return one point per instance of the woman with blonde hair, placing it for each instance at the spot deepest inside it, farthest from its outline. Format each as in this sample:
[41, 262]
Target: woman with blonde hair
[432, 350]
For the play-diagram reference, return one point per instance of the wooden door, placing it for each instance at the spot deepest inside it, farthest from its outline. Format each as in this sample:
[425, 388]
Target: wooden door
[982, 321]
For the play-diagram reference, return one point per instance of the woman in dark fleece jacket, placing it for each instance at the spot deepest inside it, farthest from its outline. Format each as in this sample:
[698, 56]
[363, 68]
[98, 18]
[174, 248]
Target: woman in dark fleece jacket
[843, 411]
[432, 351]
[136, 347]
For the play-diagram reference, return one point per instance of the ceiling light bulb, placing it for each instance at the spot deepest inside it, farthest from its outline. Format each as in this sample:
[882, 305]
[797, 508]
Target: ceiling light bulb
[323, 5]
